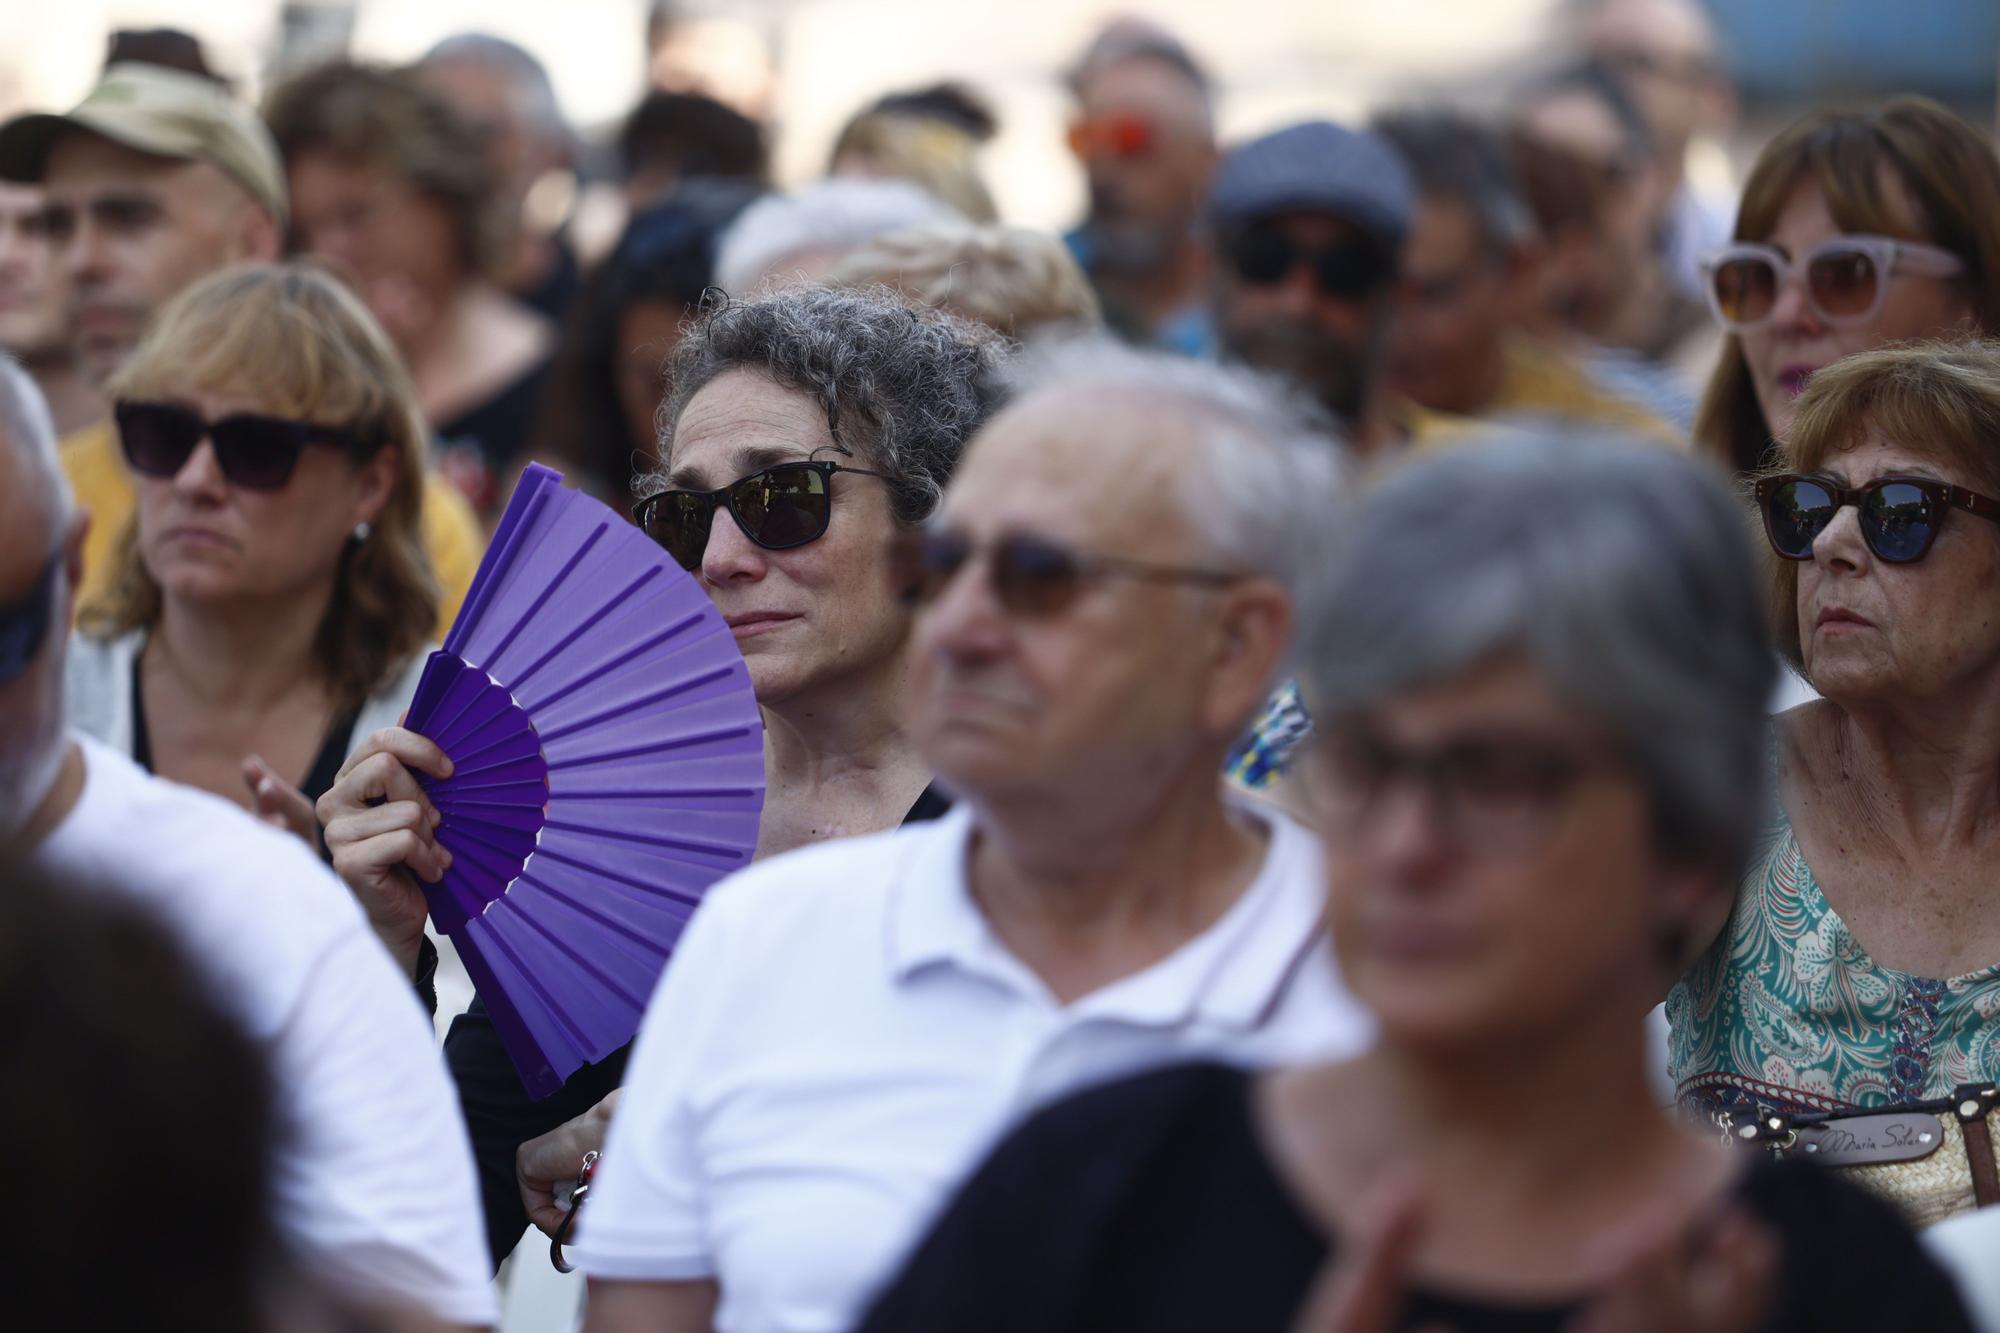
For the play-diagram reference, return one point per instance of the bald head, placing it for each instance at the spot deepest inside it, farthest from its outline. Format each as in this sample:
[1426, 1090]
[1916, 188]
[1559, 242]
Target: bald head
[35, 495]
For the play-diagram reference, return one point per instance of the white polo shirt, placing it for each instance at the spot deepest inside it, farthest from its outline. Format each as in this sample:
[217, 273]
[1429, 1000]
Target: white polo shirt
[374, 1178]
[840, 1037]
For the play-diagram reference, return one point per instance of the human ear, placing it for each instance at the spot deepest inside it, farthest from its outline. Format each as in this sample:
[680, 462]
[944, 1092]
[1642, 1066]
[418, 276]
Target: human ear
[1252, 633]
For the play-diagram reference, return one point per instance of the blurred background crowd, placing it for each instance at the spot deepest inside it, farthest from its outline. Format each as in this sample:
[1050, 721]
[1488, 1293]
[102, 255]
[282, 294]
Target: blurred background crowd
[1435, 220]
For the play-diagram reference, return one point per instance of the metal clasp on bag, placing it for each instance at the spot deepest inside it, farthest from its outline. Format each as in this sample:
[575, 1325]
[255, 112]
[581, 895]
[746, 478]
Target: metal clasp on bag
[576, 1196]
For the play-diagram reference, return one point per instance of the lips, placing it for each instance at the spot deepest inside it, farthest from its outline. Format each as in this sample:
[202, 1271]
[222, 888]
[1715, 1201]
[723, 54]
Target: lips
[1840, 615]
[749, 624]
[192, 536]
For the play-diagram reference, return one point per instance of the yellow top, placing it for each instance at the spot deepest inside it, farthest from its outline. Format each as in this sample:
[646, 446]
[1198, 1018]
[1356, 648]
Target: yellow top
[1540, 381]
[103, 485]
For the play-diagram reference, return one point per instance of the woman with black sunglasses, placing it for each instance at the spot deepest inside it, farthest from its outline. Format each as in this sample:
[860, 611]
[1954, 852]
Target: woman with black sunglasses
[802, 433]
[274, 597]
[1861, 967]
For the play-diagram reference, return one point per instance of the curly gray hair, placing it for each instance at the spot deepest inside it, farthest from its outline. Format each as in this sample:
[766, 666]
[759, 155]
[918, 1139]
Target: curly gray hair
[902, 386]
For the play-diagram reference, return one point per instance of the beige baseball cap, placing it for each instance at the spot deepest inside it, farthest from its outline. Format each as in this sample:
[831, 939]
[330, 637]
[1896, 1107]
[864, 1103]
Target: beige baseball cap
[164, 112]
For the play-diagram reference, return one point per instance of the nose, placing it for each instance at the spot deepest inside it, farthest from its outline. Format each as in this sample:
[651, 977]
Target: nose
[731, 557]
[965, 622]
[201, 477]
[1295, 294]
[1792, 312]
[1840, 544]
[85, 255]
[1407, 834]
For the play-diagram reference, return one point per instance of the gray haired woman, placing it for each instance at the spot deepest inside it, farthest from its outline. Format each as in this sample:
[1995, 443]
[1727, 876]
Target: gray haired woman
[1540, 669]
[800, 433]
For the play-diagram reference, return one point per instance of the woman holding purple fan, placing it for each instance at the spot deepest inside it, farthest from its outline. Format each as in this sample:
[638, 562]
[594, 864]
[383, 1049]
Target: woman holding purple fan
[802, 432]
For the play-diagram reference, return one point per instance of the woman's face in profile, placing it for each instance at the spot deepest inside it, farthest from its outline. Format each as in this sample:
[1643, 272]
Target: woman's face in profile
[205, 539]
[1491, 862]
[1783, 353]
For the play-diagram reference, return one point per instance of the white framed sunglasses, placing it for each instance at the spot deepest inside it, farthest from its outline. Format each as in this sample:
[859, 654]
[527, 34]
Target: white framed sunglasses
[1846, 278]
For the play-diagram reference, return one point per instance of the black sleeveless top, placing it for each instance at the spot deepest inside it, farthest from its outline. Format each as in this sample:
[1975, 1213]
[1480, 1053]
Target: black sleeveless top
[325, 765]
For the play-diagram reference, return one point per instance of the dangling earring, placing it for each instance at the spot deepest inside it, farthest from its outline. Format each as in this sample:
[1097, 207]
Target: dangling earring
[362, 532]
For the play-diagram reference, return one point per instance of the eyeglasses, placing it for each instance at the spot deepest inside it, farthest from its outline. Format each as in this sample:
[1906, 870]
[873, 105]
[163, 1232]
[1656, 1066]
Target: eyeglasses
[254, 451]
[1900, 516]
[1030, 576]
[1263, 256]
[1497, 791]
[1845, 277]
[779, 508]
[24, 623]
[1111, 136]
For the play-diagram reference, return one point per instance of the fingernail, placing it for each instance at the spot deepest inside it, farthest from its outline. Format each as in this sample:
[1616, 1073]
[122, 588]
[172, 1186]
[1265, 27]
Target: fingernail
[437, 816]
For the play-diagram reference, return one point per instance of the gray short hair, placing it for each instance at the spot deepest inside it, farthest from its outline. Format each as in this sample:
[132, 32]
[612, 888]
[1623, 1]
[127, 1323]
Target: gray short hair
[529, 87]
[902, 386]
[1456, 157]
[25, 421]
[840, 214]
[1269, 475]
[1623, 571]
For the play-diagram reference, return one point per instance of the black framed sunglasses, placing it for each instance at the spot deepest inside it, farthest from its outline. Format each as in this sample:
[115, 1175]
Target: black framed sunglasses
[1900, 516]
[783, 506]
[254, 451]
[1030, 575]
[24, 622]
[1262, 255]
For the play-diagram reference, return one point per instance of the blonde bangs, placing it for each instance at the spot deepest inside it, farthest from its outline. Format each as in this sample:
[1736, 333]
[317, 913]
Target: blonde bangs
[292, 339]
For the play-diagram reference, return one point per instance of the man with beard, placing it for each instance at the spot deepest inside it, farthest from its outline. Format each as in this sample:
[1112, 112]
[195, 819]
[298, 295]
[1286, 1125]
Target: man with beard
[1309, 224]
[1145, 134]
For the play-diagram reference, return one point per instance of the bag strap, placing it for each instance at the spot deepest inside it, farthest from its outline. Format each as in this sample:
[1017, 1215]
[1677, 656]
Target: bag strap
[1973, 1103]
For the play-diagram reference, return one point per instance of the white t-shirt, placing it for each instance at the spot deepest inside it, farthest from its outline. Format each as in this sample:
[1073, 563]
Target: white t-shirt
[375, 1185]
[840, 1037]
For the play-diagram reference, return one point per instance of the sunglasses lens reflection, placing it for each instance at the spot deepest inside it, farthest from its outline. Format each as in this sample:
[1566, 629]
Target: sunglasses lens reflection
[1795, 514]
[1897, 522]
[1746, 289]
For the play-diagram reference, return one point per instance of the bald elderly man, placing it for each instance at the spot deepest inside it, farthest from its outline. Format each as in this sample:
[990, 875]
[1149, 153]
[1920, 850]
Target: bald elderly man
[374, 1176]
[1105, 596]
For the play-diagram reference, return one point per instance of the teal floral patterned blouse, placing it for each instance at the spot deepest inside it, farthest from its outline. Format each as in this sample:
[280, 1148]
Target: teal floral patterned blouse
[1787, 1010]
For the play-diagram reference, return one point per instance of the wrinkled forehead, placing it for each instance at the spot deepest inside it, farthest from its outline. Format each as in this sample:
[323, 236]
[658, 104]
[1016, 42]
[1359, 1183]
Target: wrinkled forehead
[1088, 464]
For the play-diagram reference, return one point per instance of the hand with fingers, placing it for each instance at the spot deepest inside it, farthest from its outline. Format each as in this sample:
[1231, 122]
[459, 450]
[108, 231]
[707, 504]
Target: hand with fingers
[546, 1165]
[278, 803]
[1666, 1280]
[1366, 1288]
[381, 831]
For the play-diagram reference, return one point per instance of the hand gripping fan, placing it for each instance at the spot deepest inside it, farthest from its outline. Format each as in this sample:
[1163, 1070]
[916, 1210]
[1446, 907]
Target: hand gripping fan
[608, 766]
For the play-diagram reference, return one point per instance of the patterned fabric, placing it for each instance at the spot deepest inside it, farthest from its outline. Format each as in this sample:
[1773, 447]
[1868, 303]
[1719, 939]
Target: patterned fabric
[1789, 1012]
[1277, 732]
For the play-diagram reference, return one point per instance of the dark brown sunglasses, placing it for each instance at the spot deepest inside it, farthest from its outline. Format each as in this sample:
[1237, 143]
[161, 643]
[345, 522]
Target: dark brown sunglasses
[1900, 516]
[1030, 576]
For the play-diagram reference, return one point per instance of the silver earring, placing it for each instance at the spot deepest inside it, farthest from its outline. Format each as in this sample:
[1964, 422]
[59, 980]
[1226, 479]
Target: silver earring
[362, 532]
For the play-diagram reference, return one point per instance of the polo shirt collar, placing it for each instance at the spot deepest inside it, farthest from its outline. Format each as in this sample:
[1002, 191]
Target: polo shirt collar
[1235, 973]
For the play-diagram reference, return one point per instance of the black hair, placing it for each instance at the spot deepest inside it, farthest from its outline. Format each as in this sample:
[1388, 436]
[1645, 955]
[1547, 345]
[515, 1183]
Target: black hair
[686, 135]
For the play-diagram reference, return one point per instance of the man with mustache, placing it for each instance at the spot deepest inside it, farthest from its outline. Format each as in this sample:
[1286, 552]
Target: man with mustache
[1144, 134]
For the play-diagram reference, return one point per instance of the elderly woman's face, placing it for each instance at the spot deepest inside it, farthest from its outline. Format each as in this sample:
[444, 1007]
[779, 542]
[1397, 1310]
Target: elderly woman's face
[1491, 863]
[815, 616]
[1871, 630]
[1783, 353]
[206, 540]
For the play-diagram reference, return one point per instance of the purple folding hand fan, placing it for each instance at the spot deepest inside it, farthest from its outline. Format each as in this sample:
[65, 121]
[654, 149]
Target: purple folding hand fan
[608, 766]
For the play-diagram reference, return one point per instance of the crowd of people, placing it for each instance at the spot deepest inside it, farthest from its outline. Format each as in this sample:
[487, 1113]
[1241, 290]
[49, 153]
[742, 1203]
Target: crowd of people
[1401, 729]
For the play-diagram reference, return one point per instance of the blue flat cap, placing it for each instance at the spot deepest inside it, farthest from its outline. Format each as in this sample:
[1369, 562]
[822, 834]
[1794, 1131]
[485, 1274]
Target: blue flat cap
[1317, 167]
